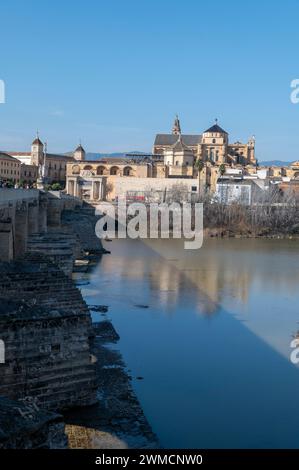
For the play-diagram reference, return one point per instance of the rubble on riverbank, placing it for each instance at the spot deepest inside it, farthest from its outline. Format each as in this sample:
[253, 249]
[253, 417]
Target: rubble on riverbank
[24, 426]
[117, 420]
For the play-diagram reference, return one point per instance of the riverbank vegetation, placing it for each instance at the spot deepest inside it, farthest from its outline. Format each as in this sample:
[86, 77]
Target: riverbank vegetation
[273, 214]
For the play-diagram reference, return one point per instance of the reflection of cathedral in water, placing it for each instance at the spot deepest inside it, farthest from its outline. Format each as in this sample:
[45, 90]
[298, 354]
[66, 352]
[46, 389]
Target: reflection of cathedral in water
[205, 276]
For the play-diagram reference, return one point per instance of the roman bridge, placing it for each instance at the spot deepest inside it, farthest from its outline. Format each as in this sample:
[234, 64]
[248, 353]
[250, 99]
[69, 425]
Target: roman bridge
[25, 212]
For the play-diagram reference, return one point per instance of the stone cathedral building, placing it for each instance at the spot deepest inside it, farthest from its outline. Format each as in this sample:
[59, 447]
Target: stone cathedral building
[211, 146]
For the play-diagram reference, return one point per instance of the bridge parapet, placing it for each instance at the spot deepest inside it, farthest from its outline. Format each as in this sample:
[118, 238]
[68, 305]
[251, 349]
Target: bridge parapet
[24, 212]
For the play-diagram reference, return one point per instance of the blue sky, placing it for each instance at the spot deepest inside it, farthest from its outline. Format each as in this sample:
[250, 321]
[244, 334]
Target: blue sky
[115, 73]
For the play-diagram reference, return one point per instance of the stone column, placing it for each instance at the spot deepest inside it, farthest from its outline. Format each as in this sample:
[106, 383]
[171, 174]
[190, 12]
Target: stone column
[103, 188]
[95, 190]
[70, 187]
[33, 214]
[6, 240]
[21, 229]
[77, 190]
[42, 213]
[54, 211]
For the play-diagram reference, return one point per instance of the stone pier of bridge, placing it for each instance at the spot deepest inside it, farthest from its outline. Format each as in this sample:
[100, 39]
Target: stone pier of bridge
[29, 212]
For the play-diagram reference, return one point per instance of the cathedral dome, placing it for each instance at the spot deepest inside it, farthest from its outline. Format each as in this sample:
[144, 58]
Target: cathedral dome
[215, 129]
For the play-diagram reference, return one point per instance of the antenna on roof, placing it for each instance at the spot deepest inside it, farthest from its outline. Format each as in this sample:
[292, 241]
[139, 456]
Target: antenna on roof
[216, 120]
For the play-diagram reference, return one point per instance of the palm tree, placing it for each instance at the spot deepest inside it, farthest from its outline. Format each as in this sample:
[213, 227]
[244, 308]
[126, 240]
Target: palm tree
[199, 165]
[222, 169]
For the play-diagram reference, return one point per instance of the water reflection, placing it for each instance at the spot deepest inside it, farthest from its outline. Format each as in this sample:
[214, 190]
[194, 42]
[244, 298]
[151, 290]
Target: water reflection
[219, 270]
[214, 344]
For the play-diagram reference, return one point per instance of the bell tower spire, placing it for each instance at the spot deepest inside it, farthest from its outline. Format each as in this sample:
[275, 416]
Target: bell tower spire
[176, 130]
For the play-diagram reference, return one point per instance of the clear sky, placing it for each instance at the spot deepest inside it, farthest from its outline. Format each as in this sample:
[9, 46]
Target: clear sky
[114, 73]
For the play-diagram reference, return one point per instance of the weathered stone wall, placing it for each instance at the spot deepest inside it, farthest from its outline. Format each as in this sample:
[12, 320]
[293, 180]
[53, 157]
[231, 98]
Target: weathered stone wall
[60, 247]
[123, 185]
[32, 221]
[81, 223]
[44, 322]
[46, 336]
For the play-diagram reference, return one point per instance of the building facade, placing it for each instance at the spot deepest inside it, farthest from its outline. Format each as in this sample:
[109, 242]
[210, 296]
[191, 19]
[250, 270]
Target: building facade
[211, 146]
[10, 169]
[101, 179]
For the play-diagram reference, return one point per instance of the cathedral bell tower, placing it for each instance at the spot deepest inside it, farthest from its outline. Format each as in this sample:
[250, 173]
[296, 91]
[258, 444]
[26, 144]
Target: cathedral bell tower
[176, 129]
[37, 151]
[79, 153]
[251, 151]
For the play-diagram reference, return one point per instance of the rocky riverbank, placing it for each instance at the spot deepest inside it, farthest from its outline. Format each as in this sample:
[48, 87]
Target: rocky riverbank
[24, 426]
[117, 420]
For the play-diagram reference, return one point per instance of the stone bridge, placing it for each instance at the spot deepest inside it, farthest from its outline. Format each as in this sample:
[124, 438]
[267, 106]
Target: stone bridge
[24, 213]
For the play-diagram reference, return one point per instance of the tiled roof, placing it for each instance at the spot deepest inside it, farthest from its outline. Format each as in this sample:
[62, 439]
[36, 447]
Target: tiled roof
[59, 156]
[5, 156]
[170, 139]
[180, 145]
[80, 149]
[20, 154]
[37, 141]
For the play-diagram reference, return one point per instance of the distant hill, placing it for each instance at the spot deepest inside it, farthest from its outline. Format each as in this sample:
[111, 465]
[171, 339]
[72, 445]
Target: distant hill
[274, 163]
[98, 156]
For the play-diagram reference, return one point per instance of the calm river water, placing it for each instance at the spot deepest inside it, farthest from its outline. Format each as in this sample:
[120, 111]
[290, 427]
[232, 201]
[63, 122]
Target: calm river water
[213, 346]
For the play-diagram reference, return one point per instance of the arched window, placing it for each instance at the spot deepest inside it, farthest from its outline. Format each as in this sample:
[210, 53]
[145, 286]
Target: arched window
[88, 167]
[75, 169]
[114, 170]
[127, 171]
[101, 170]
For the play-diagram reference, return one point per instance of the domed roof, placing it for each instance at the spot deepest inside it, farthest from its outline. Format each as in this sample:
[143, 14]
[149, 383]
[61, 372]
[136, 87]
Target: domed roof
[215, 128]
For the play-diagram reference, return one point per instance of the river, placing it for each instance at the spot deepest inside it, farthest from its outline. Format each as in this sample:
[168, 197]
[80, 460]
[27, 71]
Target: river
[209, 331]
